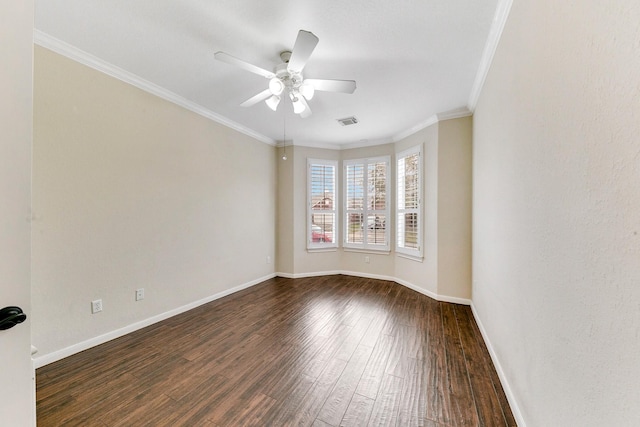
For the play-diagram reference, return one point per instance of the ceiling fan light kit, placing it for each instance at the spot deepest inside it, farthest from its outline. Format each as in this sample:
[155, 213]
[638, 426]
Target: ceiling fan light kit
[276, 86]
[287, 76]
[307, 90]
[298, 106]
[272, 102]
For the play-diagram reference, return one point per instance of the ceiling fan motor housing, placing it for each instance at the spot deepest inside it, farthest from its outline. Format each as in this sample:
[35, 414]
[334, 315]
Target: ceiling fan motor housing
[290, 80]
[285, 55]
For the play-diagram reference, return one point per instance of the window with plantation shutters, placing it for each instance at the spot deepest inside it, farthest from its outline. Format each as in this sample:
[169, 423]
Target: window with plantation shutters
[408, 207]
[366, 206]
[322, 230]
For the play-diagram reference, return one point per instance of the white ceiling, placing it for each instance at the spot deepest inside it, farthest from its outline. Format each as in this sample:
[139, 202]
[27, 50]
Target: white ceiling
[411, 59]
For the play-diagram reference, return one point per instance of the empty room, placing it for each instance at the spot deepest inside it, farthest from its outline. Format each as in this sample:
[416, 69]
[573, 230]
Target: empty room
[409, 213]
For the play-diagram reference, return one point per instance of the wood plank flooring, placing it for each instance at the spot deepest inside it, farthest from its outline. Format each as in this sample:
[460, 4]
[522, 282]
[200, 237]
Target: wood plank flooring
[323, 351]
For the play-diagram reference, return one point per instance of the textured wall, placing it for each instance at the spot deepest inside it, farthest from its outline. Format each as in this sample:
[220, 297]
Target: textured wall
[556, 211]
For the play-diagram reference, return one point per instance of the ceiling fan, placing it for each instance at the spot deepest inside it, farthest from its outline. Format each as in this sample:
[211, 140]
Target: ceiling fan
[286, 78]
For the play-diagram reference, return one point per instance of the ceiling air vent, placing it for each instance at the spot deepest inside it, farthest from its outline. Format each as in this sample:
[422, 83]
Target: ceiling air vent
[348, 121]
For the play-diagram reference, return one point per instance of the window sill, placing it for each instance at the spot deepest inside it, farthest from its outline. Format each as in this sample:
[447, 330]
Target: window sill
[368, 250]
[316, 250]
[417, 258]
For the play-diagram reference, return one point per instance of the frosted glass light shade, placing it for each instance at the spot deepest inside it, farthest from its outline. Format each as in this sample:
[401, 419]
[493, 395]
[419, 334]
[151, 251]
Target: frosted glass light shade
[276, 86]
[307, 91]
[298, 107]
[273, 102]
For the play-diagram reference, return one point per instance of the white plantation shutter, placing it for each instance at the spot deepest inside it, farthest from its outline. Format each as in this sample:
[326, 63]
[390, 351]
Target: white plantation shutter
[354, 182]
[321, 221]
[366, 206]
[409, 216]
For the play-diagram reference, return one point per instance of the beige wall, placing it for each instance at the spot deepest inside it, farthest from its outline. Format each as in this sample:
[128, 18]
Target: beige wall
[556, 211]
[285, 210]
[454, 207]
[131, 191]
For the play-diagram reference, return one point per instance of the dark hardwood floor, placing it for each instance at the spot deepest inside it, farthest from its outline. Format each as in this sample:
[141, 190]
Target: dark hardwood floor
[323, 351]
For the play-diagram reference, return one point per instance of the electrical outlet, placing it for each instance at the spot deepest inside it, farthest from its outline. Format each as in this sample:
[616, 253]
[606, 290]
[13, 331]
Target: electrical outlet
[366, 260]
[268, 259]
[96, 306]
[139, 294]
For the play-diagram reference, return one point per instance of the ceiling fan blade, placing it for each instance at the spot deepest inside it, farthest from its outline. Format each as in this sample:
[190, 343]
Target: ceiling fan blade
[256, 98]
[307, 111]
[302, 50]
[343, 86]
[225, 57]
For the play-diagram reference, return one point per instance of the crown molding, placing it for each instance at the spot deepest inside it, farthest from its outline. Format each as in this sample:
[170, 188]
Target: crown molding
[447, 115]
[454, 114]
[336, 146]
[316, 144]
[71, 52]
[366, 143]
[45, 40]
[499, 21]
[413, 129]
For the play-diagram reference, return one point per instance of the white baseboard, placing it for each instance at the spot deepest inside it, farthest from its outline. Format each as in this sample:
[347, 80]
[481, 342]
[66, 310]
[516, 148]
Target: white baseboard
[430, 294]
[101, 339]
[303, 275]
[437, 297]
[513, 403]
[368, 275]
[45, 359]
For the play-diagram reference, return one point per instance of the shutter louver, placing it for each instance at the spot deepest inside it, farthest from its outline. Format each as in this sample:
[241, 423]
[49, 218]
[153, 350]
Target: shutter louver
[366, 204]
[408, 206]
[322, 198]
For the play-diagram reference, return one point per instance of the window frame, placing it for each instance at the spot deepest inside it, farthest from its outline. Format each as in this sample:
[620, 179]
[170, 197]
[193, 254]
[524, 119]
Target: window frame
[401, 250]
[319, 246]
[366, 211]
